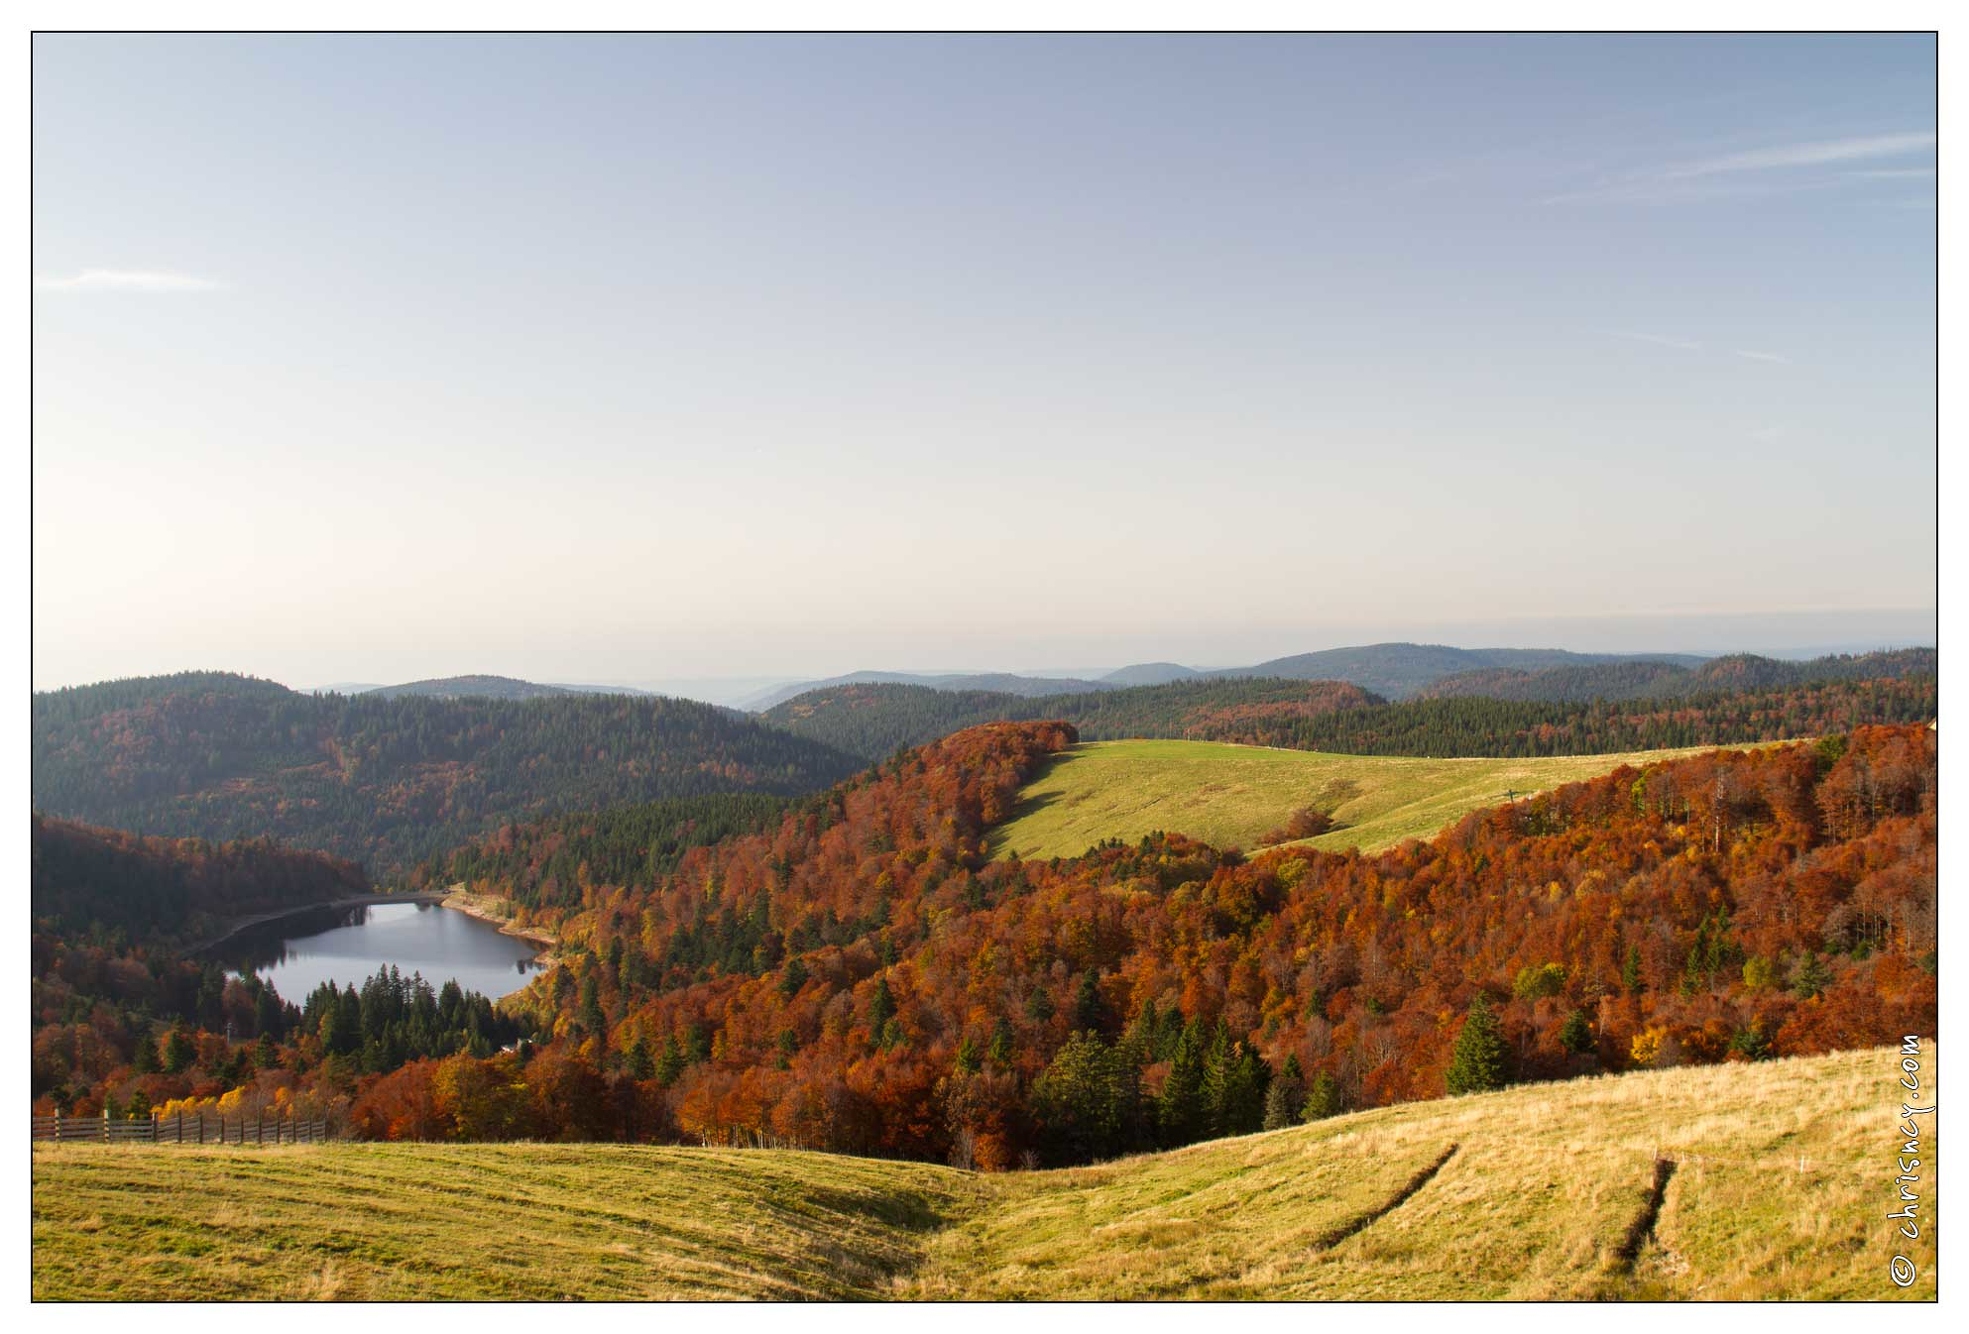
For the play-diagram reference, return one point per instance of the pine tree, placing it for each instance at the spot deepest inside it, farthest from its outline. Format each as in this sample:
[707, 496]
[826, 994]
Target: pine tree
[1089, 1010]
[1812, 976]
[1630, 971]
[1322, 1099]
[1576, 1035]
[1216, 1079]
[1247, 1080]
[670, 1062]
[999, 1052]
[1480, 1060]
[1039, 1005]
[881, 1009]
[1180, 1112]
[641, 1065]
[144, 1062]
[967, 1061]
[1285, 1096]
[179, 1051]
[592, 1020]
[1086, 1100]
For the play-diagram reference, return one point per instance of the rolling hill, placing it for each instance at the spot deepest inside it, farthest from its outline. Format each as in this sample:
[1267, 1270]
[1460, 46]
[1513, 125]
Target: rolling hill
[386, 781]
[1653, 679]
[492, 687]
[1400, 669]
[876, 720]
[1150, 674]
[965, 683]
[1237, 796]
[1774, 1190]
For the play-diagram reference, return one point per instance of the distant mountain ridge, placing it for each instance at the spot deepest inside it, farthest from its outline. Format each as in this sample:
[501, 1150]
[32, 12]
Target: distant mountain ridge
[1399, 670]
[998, 683]
[1571, 709]
[1150, 674]
[1392, 670]
[1657, 679]
[492, 687]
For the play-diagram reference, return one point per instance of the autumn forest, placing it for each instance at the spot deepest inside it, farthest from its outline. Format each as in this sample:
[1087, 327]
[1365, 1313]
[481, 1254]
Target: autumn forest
[757, 945]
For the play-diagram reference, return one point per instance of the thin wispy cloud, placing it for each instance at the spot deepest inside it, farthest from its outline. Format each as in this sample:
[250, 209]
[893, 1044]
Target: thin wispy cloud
[1815, 154]
[1692, 345]
[1774, 169]
[124, 280]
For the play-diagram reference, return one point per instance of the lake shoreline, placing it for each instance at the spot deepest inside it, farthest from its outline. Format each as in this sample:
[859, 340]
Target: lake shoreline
[261, 919]
[459, 899]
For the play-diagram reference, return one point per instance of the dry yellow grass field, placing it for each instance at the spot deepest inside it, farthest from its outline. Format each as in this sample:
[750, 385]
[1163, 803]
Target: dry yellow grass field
[1784, 1174]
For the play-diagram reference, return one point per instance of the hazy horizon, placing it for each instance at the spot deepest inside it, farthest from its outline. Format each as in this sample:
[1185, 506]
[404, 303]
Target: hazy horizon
[598, 358]
[1782, 635]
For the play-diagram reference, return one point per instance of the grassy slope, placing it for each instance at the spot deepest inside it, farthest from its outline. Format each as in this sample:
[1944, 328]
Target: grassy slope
[482, 1222]
[1783, 1182]
[1231, 796]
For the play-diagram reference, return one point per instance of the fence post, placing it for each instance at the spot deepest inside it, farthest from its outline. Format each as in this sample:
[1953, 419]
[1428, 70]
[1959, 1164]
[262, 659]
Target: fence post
[105, 1120]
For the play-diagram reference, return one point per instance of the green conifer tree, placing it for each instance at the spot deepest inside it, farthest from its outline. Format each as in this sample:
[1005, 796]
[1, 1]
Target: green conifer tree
[1090, 1011]
[1630, 971]
[1322, 1099]
[670, 1062]
[1180, 1113]
[881, 1009]
[640, 1064]
[144, 1062]
[1480, 1059]
[1285, 1096]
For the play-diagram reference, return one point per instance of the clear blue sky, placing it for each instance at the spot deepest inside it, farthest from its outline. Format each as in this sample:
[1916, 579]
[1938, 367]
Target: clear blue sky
[631, 358]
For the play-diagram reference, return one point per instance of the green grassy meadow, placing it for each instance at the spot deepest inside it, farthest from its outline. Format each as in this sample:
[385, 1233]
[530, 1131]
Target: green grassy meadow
[1232, 796]
[1783, 1179]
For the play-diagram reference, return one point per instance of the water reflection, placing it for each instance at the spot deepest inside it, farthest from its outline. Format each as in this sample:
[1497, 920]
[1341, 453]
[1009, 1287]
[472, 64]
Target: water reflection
[299, 952]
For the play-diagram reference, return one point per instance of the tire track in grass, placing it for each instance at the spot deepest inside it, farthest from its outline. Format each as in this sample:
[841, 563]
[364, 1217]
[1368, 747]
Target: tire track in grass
[1361, 1222]
[1643, 1227]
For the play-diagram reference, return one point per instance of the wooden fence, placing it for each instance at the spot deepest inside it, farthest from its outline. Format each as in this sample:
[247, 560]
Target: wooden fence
[180, 1129]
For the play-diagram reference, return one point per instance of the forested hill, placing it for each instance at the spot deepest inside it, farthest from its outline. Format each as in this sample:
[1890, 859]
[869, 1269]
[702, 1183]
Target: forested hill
[386, 782]
[1649, 679]
[865, 977]
[546, 865]
[469, 687]
[161, 890]
[1401, 669]
[1000, 683]
[493, 687]
[875, 721]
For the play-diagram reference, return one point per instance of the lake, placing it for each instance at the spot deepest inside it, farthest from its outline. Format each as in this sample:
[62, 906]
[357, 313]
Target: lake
[299, 952]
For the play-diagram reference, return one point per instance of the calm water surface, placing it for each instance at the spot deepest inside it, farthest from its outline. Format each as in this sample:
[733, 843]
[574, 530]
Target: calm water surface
[345, 945]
